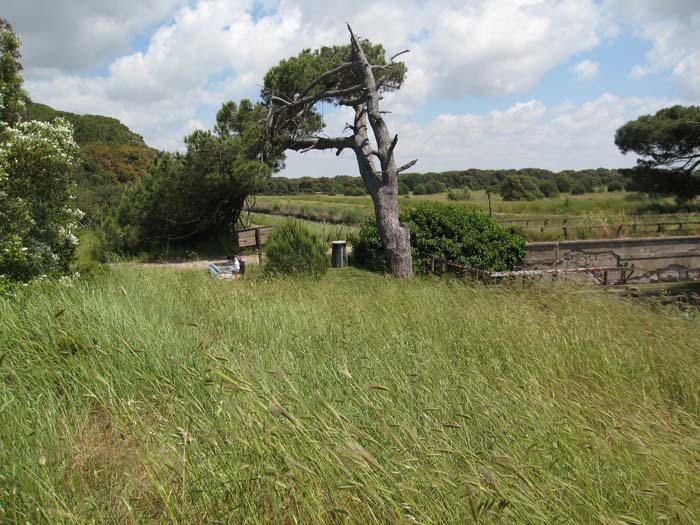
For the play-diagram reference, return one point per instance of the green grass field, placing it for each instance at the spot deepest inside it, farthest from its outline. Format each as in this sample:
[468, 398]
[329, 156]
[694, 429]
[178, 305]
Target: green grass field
[591, 215]
[149, 396]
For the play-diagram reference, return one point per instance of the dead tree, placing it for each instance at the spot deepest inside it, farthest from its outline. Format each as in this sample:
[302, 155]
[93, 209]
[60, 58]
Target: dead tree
[359, 84]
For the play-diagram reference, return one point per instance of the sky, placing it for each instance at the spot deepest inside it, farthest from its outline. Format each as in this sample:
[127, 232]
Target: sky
[491, 84]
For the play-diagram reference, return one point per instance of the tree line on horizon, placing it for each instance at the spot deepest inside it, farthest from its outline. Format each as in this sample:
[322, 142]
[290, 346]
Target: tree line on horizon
[546, 183]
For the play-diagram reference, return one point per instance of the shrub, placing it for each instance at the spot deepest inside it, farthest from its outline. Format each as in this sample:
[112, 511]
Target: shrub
[404, 189]
[421, 189]
[549, 188]
[455, 233]
[293, 249]
[563, 183]
[461, 194]
[578, 188]
[615, 185]
[520, 188]
[37, 217]
[367, 249]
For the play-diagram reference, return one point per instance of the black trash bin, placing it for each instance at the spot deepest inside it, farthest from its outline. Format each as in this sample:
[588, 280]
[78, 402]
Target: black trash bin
[339, 254]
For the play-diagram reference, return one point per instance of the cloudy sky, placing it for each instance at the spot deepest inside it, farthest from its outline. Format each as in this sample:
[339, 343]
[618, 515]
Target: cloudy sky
[491, 83]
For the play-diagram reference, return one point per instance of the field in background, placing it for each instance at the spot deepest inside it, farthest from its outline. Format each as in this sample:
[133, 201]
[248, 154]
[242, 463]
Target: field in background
[588, 216]
[149, 395]
[328, 231]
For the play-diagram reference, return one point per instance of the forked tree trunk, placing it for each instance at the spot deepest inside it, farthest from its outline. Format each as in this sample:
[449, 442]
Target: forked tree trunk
[395, 236]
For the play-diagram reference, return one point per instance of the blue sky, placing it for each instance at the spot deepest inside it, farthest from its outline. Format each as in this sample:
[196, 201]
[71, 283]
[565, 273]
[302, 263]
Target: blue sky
[492, 84]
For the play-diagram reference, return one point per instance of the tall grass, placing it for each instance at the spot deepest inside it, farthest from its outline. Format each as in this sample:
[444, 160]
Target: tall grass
[327, 231]
[151, 395]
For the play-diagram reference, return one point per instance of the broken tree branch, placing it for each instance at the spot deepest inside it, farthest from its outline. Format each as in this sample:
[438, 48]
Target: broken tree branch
[407, 166]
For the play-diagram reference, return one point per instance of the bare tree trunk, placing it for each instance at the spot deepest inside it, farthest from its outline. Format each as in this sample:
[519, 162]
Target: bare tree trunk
[395, 236]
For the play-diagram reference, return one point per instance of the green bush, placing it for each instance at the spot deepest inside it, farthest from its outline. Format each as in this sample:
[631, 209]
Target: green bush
[548, 188]
[520, 188]
[455, 233]
[367, 251]
[459, 194]
[578, 188]
[293, 249]
[615, 185]
[421, 189]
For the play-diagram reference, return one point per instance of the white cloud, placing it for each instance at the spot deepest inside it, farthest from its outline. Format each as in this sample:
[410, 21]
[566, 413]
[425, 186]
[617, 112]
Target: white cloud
[673, 28]
[79, 35]
[586, 69]
[214, 50]
[686, 76]
[200, 53]
[527, 134]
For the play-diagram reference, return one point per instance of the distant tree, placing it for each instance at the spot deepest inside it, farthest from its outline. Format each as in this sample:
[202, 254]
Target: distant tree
[520, 188]
[578, 188]
[548, 188]
[421, 189]
[404, 189]
[615, 185]
[668, 144]
[355, 76]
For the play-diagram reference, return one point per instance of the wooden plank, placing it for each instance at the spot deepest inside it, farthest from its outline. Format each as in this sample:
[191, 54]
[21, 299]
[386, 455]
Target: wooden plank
[246, 237]
[265, 232]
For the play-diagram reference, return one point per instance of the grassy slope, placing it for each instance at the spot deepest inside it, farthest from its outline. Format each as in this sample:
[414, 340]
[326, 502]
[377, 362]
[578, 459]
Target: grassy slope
[151, 395]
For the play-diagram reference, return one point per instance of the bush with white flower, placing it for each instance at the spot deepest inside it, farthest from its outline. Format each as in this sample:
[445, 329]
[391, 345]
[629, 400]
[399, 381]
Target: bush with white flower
[37, 221]
[37, 218]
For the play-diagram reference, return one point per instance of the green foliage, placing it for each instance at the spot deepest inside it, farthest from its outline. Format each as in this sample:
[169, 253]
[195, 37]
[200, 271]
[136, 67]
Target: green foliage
[294, 249]
[520, 188]
[367, 250]
[12, 96]
[88, 128]
[37, 215]
[303, 78]
[669, 146]
[472, 179]
[111, 157]
[452, 232]
[548, 188]
[404, 189]
[186, 198]
[421, 189]
[578, 188]
[459, 194]
[563, 183]
[615, 186]
[293, 75]
[37, 220]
